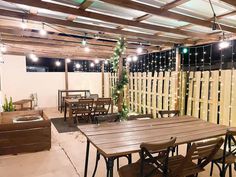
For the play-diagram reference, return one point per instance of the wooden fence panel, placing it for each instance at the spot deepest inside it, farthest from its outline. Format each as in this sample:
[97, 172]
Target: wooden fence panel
[204, 96]
[233, 100]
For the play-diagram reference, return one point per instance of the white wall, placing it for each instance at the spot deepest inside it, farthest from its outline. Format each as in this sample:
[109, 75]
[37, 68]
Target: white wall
[19, 84]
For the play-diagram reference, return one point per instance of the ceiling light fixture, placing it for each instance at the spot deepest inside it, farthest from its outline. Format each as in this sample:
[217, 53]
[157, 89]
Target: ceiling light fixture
[139, 50]
[33, 57]
[23, 24]
[77, 65]
[3, 48]
[84, 42]
[68, 60]
[96, 61]
[58, 63]
[135, 58]
[92, 65]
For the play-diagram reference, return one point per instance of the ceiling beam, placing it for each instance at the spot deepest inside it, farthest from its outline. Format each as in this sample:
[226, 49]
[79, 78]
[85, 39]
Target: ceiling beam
[226, 15]
[231, 2]
[142, 18]
[173, 4]
[107, 18]
[158, 11]
[88, 27]
[86, 4]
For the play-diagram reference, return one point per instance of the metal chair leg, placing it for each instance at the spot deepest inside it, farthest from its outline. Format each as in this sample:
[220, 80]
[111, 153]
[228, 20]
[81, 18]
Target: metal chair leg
[230, 170]
[118, 163]
[96, 164]
[211, 171]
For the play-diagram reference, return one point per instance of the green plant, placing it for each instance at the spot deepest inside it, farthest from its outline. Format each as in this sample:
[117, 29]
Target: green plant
[8, 106]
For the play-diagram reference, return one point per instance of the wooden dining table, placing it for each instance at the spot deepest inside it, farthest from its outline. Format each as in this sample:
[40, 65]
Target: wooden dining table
[69, 105]
[117, 139]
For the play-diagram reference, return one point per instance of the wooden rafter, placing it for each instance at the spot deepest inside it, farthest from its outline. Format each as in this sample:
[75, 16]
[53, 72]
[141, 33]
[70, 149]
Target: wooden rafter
[84, 5]
[143, 17]
[88, 27]
[231, 2]
[173, 4]
[98, 16]
[226, 15]
[167, 14]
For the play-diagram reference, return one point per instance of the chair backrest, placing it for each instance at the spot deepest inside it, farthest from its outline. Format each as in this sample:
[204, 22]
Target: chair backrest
[203, 151]
[169, 113]
[85, 103]
[140, 116]
[114, 117]
[157, 154]
[93, 96]
[103, 103]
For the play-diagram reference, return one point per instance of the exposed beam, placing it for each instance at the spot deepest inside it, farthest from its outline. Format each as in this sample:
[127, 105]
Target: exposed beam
[158, 11]
[84, 5]
[107, 18]
[141, 18]
[231, 2]
[173, 4]
[87, 26]
[226, 15]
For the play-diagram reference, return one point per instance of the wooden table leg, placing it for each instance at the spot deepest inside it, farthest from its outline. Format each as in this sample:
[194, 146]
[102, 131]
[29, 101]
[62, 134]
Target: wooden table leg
[86, 159]
[70, 120]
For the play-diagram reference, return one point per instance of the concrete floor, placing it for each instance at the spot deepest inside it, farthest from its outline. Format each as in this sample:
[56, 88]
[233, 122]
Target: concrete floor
[65, 159]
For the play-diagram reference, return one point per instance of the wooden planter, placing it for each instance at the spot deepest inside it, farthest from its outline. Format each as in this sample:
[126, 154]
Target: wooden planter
[24, 137]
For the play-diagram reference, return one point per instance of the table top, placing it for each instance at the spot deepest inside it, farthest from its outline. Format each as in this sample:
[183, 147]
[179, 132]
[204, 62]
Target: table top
[121, 138]
[23, 101]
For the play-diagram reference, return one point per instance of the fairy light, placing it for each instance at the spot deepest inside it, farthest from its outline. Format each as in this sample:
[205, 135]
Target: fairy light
[68, 60]
[58, 63]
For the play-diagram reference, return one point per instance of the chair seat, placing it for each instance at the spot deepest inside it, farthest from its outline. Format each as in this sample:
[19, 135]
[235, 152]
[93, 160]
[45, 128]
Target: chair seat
[83, 111]
[190, 169]
[230, 159]
[133, 170]
[100, 110]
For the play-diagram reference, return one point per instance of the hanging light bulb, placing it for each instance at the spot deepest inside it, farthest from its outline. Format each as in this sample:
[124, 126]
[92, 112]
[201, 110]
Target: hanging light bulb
[33, 57]
[96, 61]
[3, 48]
[135, 58]
[23, 24]
[58, 63]
[185, 50]
[84, 42]
[106, 62]
[139, 49]
[224, 44]
[129, 59]
[87, 49]
[92, 65]
[68, 60]
[43, 32]
[77, 65]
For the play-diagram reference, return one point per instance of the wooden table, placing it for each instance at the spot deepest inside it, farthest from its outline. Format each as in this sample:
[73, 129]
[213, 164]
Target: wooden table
[123, 138]
[22, 102]
[68, 105]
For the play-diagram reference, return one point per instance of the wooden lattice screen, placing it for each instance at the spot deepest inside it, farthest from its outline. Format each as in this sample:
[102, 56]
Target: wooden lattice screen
[211, 97]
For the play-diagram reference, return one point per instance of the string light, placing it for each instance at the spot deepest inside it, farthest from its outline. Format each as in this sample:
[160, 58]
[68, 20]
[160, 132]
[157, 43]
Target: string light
[33, 57]
[92, 65]
[68, 60]
[106, 62]
[135, 58]
[77, 65]
[96, 61]
[139, 50]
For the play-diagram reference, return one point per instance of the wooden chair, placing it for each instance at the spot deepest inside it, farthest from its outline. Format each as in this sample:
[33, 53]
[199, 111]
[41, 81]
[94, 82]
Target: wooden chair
[114, 117]
[93, 96]
[180, 166]
[140, 117]
[153, 161]
[84, 108]
[226, 157]
[170, 113]
[102, 106]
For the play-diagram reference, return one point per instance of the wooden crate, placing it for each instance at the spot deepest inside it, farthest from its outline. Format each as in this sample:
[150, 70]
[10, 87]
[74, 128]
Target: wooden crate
[24, 137]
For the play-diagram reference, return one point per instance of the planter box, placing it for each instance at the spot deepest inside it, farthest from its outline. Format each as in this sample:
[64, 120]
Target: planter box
[26, 136]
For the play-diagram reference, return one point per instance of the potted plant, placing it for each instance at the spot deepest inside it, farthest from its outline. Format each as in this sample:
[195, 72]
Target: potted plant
[8, 105]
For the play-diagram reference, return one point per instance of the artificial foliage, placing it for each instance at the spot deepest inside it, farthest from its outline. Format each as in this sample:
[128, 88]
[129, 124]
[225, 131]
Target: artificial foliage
[8, 105]
[118, 51]
[123, 81]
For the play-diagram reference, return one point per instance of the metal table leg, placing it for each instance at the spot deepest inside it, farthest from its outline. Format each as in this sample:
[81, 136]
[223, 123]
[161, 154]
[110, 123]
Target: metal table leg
[86, 159]
[65, 112]
[110, 164]
[96, 164]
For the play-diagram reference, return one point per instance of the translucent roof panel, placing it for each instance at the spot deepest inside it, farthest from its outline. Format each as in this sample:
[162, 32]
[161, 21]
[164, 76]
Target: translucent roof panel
[162, 21]
[112, 10]
[230, 20]
[139, 30]
[201, 29]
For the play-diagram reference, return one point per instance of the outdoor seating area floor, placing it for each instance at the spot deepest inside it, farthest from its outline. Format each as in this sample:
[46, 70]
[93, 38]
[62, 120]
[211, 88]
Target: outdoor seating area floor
[65, 159]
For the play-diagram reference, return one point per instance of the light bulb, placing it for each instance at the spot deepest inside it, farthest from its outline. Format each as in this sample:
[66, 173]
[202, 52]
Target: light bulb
[23, 25]
[135, 58]
[33, 57]
[58, 63]
[96, 61]
[139, 50]
[92, 65]
[105, 62]
[68, 60]
[77, 66]
[84, 42]
[129, 59]
[224, 44]
[87, 49]
[3, 49]
[43, 32]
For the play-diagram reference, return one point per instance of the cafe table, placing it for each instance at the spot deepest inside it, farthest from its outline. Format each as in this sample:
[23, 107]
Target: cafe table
[117, 139]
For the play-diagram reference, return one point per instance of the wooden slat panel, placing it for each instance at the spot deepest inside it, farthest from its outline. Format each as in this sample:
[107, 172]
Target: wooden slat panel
[160, 88]
[204, 96]
[166, 91]
[233, 101]
[225, 94]
[139, 92]
[190, 94]
[154, 95]
[196, 94]
[131, 90]
[149, 82]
